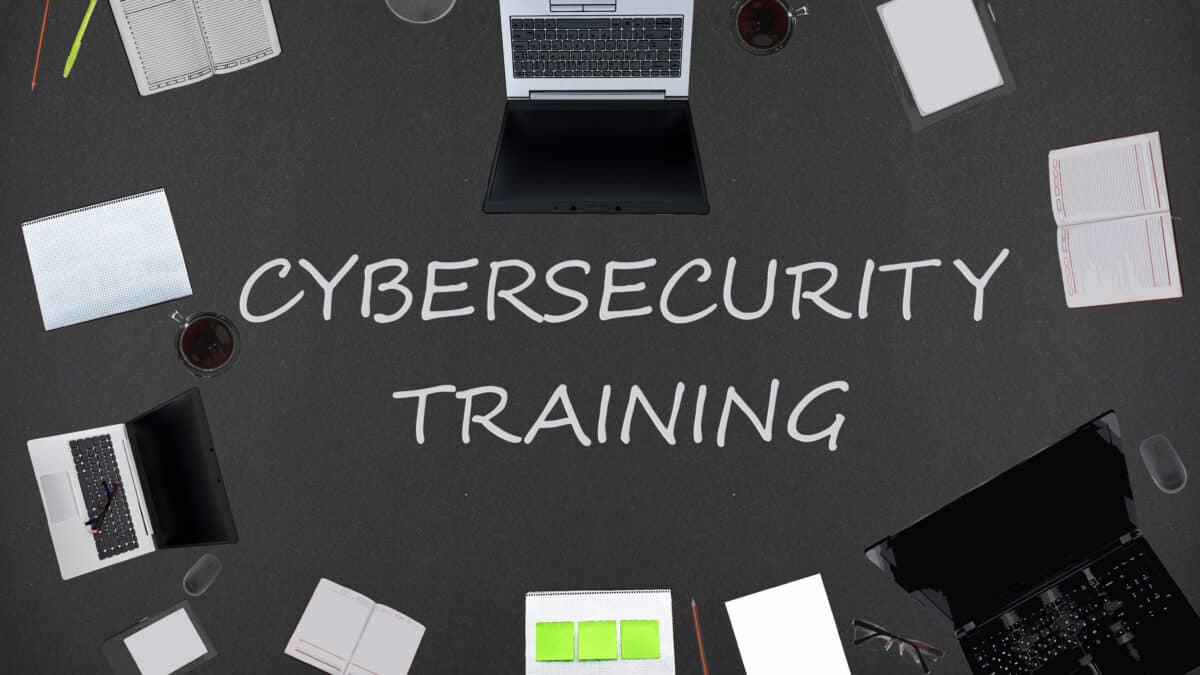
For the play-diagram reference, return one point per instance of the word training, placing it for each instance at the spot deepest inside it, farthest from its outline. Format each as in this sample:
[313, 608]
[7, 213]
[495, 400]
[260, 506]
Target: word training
[664, 417]
[387, 295]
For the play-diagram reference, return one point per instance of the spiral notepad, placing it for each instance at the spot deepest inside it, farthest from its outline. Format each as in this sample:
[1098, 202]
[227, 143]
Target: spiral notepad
[106, 259]
[580, 613]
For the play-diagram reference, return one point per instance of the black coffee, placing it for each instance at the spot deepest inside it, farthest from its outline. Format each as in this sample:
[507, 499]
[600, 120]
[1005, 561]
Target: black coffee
[763, 25]
[207, 343]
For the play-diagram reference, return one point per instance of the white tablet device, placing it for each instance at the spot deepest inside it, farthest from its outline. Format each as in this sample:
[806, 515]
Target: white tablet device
[945, 51]
[167, 643]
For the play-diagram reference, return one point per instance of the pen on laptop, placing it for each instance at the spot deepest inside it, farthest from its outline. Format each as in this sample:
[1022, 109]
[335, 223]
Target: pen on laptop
[699, 637]
[83, 25]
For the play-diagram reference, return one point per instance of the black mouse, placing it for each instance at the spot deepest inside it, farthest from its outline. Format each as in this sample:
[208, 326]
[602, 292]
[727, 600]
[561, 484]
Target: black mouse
[1164, 464]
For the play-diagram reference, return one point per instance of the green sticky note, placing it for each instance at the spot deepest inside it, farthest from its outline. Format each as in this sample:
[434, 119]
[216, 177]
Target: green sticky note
[597, 640]
[556, 641]
[639, 640]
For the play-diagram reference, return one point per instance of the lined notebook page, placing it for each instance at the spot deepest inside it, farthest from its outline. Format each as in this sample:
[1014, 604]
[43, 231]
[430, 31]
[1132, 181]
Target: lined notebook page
[173, 43]
[1128, 260]
[163, 41]
[330, 628]
[239, 33]
[1107, 180]
[106, 259]
[388, 644]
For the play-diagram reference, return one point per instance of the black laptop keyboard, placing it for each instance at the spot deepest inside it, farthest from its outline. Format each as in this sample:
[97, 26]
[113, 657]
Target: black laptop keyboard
[96, 465]
[626, 46]
[1101, 609]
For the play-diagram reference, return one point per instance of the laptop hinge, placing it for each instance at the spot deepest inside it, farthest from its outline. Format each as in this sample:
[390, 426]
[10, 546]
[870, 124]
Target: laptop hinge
[597, 95]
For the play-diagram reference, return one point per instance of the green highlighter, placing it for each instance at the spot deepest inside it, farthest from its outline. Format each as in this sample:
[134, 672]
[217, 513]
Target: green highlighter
[639, 640]
[87, 17]
[555, 641]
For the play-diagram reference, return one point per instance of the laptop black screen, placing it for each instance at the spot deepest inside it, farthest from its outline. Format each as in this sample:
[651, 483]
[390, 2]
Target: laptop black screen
[180, 477]
[597, 156]
[1014, 533]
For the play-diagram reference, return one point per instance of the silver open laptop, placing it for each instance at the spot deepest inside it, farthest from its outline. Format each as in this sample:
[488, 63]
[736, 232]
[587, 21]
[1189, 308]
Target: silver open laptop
[597, 117]
[117, 492]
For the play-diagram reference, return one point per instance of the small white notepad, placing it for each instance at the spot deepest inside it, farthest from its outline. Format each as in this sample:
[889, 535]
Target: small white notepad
[106, 259]
[942, 49]
[346, 633]
[1116, 241]
[788, 630]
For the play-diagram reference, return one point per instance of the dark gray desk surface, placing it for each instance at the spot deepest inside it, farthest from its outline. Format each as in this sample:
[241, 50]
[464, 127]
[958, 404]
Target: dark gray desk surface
[374, 137]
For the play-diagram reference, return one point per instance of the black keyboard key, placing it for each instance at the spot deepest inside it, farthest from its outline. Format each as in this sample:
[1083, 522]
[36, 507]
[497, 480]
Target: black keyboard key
[677, 23]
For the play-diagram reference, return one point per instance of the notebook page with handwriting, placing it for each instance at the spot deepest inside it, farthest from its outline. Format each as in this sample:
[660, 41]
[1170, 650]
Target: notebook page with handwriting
[1116, 239]
[1107, 180]
[1117, 261]
[330, 627]
[239, 33]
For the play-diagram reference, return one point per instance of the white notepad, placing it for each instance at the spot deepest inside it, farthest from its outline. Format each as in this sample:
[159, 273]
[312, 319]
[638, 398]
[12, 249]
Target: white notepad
[942, 49]
[788, 630]
[174, 43]
[166, 645]
[345, 632]
[1116, 242]
[106, 259]
[577, 606]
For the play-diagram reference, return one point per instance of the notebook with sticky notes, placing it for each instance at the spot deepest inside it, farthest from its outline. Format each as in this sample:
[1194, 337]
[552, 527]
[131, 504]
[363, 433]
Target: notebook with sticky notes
[599, 633]
[347, 633]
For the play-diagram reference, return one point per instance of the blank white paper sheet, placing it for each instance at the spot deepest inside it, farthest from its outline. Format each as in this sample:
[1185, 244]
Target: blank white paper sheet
[106, 259]
[166, 645]
[788, 630]
[942, 50]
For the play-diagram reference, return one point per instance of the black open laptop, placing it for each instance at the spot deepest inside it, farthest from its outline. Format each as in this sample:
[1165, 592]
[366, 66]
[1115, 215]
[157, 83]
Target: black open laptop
[1043, 569]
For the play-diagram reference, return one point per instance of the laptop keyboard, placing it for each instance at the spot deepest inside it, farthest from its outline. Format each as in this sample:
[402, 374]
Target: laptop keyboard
[1102, 609]
[96, 464]
[626, 46]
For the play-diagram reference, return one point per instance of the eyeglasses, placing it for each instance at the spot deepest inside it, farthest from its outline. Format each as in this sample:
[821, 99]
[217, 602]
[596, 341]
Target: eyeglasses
[878, 638]
[96, 522]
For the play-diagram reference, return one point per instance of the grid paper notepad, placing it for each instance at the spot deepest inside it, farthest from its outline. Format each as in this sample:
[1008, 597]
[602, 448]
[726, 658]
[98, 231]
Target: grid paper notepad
[106, 259]
[579, 628]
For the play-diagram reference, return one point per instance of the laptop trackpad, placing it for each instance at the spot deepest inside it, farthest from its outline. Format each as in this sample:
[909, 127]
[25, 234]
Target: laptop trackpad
[60, 498]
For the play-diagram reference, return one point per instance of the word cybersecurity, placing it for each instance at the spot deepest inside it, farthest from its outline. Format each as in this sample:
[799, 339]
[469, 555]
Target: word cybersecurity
[622, 292]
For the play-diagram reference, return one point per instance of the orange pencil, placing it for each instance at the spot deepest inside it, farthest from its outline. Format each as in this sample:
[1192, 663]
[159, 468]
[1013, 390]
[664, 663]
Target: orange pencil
[699, 637]
[38, 60]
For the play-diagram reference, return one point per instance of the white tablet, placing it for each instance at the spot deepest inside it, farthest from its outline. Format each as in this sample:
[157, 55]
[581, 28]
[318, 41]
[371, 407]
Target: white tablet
[942, 50]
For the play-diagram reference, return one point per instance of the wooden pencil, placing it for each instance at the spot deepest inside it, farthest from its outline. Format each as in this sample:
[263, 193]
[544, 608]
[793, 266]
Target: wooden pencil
[37, 61]
[699, 637]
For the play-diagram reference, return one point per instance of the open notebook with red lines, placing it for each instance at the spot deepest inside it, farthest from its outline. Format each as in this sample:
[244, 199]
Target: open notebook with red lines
[1116, 241]
[346, 633]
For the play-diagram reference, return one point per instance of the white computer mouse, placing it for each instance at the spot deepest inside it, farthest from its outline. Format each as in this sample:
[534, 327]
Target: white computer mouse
[1164, 464]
